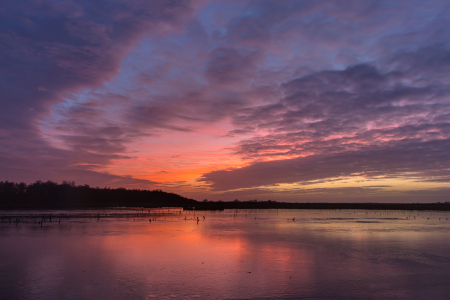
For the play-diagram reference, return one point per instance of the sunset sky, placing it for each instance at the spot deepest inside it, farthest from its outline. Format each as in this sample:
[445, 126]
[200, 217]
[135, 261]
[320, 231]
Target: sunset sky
[299, 101]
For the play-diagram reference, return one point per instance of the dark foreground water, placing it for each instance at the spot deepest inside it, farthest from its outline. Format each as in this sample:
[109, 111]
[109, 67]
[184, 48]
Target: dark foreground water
[230, 255]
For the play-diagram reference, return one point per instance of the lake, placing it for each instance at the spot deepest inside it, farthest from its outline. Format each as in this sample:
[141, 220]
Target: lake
[243, 254]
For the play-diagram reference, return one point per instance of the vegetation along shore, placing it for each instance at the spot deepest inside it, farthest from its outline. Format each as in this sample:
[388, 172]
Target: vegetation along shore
[67, 195]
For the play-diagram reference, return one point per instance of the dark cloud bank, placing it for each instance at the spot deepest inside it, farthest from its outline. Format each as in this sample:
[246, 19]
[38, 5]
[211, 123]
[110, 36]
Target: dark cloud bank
[429, 161]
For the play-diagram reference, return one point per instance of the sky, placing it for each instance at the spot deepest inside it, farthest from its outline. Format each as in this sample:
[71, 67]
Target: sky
[298, 101]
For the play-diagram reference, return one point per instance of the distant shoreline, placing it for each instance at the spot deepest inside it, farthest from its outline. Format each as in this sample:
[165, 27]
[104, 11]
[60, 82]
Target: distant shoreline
[221, 205]
[287, 205]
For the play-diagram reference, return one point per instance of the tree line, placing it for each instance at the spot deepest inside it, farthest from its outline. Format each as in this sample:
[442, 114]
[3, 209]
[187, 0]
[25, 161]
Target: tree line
[51, 195]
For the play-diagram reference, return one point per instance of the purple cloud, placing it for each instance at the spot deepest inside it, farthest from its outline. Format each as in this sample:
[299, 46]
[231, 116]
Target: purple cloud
[354, 121]
[50, 50]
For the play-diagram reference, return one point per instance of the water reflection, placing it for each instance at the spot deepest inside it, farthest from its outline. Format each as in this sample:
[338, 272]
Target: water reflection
[231, 254]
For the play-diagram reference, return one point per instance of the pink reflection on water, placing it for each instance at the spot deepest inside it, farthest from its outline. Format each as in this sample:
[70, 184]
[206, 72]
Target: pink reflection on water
[251, 254]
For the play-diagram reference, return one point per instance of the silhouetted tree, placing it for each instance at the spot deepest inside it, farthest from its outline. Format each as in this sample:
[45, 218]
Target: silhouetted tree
[67, 195]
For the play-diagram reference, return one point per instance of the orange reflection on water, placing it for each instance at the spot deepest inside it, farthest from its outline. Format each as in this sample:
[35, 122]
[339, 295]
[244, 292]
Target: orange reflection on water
[184, 254]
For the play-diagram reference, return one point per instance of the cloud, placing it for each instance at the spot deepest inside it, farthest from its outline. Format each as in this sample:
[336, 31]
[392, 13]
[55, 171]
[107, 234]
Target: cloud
[340, 123]
[429, 160]
[38, 160]
[68, 46]
[352, 103]
[227, 65]
[50, 50]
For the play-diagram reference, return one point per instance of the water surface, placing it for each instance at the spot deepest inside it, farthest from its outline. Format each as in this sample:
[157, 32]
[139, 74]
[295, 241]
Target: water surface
[245, 254]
